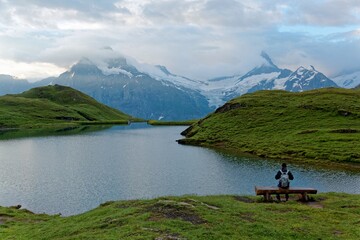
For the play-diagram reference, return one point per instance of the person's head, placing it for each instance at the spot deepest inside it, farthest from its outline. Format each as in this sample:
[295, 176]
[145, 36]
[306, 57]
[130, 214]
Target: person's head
[283, 165]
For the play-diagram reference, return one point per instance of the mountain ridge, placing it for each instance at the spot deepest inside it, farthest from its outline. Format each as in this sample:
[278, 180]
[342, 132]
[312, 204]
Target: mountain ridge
[137, 93]
[348, 79]
[153, 92]
[268, 76]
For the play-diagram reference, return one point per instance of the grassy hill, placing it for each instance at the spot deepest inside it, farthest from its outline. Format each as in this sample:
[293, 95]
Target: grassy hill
[54, 105]
[322, 125]
[330, 216]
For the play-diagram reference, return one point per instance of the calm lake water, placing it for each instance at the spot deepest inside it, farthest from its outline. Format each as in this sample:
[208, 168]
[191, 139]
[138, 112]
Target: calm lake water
[75, 173]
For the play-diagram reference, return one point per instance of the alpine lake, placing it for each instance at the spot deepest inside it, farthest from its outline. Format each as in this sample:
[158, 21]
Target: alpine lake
[71, 171]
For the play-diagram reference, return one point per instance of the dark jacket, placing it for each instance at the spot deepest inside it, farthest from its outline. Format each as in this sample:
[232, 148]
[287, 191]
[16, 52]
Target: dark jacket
[278, 175]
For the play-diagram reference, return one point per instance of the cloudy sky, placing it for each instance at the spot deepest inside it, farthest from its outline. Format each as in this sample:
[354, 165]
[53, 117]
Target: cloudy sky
[195, 38]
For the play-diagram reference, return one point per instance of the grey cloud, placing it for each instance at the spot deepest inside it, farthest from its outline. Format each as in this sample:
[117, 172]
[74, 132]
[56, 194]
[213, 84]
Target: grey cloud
[123, 10]
[46, 14]
[201, 39]
[166, 11]
[231, 13]
[227, 13]
[324, 13]
[343, 36]
[294, 49]
[79, 5]
[337, 57]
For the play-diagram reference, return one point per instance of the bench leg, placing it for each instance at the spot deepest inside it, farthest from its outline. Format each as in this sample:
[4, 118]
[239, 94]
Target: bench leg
[267, 197]
[304, 197]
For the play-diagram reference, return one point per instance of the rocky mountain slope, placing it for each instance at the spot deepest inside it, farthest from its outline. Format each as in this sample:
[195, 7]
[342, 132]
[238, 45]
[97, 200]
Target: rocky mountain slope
[348, 79]
[121, 85]
[266, 76]
[11, 85]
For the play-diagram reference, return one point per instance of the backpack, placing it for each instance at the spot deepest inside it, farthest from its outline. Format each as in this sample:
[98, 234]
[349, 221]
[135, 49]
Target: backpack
[284, 179]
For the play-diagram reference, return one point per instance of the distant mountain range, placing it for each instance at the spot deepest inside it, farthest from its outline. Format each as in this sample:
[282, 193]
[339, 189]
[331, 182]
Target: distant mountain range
[12, 85]
[153, 92]
[266, 76]
[123, 86]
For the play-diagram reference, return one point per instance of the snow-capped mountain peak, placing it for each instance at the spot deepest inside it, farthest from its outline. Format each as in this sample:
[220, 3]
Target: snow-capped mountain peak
[84, 61]
[268, 62]
[306, 79]
[265, 76]
[130, 67]
[84, 67]
[300, 70]
[161, 73]
[348, 79]
[138, 88]
[164, 69]
[267, 66]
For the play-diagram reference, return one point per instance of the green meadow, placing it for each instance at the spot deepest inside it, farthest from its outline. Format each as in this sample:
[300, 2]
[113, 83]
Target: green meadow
[316, 127]
[320, 126]
[55, 106]
[327, 216]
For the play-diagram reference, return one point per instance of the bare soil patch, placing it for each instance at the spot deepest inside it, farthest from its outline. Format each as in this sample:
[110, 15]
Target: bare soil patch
[174, 210]
[244, 199]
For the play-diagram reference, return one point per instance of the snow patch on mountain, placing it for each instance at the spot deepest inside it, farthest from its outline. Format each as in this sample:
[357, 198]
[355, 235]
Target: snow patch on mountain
[244, 85]
[222, 89]
[304, 79]
[113, 71]
[132, 68]
[215, 91]
[265, 76]
[161, 73]
[279, 83]
[348, 80]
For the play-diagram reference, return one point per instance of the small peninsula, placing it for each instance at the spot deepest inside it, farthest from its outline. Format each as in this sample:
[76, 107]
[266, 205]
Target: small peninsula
[321, 126]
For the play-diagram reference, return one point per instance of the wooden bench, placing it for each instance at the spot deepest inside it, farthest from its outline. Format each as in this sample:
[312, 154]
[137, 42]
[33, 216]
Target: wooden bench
[267, 191]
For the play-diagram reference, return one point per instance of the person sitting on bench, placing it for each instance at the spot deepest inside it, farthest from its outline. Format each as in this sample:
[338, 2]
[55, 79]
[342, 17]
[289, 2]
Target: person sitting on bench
[284, 176]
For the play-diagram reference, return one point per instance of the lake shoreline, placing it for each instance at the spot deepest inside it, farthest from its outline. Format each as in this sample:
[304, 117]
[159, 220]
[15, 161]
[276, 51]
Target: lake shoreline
[78, 169]
[317, 127]
[171, 123]
[354, 167]
[323, 164]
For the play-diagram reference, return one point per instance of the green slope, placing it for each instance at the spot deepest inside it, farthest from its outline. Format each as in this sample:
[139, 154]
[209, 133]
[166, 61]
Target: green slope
[46, 106]
[320, 125]
[331, 216]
